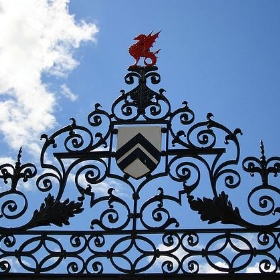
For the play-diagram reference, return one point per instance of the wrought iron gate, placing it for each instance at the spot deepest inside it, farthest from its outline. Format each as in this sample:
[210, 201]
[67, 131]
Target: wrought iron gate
[124, 195]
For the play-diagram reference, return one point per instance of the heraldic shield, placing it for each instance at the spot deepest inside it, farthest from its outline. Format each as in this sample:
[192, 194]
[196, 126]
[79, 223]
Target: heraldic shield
[138, 149]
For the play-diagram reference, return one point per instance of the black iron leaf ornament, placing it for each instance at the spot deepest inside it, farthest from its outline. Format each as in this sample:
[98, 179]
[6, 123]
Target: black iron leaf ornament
[55, 212]
[218, 209]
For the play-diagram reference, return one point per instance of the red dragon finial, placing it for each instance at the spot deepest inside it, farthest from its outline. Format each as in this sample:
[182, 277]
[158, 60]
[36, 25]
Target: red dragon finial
[142, 49]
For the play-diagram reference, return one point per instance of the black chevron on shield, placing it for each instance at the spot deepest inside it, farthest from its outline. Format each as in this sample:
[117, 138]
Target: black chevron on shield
[138, 153]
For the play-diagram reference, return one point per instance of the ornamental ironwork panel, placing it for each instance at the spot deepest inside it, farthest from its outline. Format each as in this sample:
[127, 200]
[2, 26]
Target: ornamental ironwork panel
[140, 189]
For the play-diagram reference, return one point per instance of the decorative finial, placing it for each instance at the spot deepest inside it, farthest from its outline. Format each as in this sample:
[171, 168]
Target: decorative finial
[262, 151]
[142, 49]
[18, 163]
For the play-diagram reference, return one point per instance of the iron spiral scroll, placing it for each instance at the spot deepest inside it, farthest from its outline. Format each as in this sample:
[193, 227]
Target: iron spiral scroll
[129, 224]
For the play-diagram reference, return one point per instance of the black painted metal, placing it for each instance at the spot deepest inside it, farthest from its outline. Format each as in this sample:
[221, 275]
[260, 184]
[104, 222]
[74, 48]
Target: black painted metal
[138, 231]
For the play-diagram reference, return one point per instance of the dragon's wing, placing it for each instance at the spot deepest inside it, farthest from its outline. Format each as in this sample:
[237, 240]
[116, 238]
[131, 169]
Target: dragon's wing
[150, 39]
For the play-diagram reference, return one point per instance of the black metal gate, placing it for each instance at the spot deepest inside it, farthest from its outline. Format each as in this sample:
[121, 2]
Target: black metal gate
[124, 195]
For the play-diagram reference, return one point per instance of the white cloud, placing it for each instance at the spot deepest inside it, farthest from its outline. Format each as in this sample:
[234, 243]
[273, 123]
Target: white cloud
[253, 269]
[68, 93]
[37, 36]
[101, 189]
[206, 268]
[4, 160]
[256, 268]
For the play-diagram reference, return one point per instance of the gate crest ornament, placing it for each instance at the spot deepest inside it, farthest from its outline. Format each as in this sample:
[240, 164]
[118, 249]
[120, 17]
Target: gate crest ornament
[133, 191]
[138, 149]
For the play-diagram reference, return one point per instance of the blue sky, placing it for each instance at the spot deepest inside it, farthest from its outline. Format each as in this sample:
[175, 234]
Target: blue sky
[58, 58]
[221, 56]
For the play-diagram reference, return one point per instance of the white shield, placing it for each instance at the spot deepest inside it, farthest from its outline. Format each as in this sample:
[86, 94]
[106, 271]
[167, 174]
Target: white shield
[138, 149]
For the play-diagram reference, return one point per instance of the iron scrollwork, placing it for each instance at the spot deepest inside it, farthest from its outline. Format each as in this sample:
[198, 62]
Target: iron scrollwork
[139, 224]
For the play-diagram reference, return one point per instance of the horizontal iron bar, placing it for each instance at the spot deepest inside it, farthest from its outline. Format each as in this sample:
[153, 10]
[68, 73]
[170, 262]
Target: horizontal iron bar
[107, 154]
[85, 155]
[140, 232]
[152, 276]
[192, 152]
[145, 122]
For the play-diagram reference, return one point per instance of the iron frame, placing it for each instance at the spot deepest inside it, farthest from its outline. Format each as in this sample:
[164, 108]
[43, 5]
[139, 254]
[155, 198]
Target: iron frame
[89, 152]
